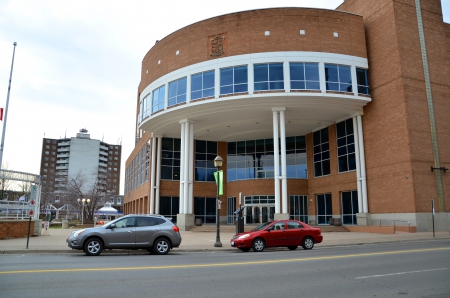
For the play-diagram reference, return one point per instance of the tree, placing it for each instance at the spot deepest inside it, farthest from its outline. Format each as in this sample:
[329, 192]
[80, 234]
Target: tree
[5, 183]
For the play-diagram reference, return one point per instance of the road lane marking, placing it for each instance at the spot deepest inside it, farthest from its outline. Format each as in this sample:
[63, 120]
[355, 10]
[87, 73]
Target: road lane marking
[228, 264]
[400, 273]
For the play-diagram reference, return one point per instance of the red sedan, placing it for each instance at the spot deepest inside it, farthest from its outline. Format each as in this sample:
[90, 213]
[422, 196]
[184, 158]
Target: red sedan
[278, 233]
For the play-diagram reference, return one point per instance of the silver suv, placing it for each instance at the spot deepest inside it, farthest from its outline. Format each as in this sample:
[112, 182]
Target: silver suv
[155, 233]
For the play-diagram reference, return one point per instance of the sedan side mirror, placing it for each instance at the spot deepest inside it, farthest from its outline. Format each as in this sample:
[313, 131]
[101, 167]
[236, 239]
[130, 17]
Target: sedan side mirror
[112, 226]
[270, 229]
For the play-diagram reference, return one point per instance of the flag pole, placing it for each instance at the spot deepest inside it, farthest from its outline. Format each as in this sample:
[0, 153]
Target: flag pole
[6, 108]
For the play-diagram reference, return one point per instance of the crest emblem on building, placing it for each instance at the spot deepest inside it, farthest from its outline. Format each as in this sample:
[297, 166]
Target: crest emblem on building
[217, 45]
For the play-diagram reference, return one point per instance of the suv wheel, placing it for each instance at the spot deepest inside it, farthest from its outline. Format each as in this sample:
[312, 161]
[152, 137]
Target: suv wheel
[93, 247]
[161, 246]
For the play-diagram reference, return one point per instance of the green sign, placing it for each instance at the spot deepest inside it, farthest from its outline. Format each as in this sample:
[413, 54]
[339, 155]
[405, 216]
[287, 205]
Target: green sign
[219, 175]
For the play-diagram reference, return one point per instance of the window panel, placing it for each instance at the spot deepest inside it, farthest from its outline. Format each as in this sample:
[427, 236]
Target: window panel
[268, 76]
[345, 146]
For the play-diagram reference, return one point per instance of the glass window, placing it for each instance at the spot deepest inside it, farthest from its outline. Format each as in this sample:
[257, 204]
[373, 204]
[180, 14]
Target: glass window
[363, 81]
[349, 207]
[338, 78]
[202, 85]
[254, 159]
[158, 99]
[304, 76]
[298, 208]
[170, 159]
[146, 221]
[269, 76]
[233, 80]
[177, 91]
[321, 153]
[345, 146]
[169, 207]
[205, 208]
[205, 153]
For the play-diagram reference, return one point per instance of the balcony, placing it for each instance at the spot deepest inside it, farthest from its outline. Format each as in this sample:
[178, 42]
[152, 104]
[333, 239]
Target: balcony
[103, 153]
[101, 158]
[61, 144]
[102, 170]
[65, 167]
[63, 155]
[62, 161]
[103, 164]
[103, 148]
[64, 149]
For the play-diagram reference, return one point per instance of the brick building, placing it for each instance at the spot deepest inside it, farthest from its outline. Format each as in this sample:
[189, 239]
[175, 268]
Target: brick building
[91, 163]
[353, 103]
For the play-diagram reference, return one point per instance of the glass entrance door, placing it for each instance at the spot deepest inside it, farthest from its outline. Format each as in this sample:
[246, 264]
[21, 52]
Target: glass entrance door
[259, 214]
[324, 212]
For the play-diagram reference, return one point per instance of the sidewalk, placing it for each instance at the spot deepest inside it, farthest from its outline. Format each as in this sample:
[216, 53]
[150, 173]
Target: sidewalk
[204, 241]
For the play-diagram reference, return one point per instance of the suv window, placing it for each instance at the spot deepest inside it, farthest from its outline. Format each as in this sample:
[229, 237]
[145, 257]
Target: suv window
[146, 221]
[294, 225]
[125, 223]
[160, 221]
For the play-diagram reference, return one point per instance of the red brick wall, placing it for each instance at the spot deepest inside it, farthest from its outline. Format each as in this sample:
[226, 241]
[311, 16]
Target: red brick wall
[245, 35]
[396, 123]
[15, 229]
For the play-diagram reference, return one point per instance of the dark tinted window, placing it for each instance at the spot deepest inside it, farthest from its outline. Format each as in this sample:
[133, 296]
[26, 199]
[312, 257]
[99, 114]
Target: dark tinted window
[294, 225]
[146, 221]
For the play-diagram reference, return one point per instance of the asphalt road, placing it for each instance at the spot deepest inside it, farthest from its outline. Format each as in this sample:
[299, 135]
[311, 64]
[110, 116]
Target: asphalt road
[406, 269]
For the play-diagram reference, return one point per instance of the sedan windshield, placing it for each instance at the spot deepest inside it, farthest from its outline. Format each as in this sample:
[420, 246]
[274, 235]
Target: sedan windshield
[261, 226]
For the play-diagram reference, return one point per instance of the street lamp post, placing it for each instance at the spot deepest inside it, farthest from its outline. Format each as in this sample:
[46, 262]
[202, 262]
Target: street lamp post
[218, 161]
[83, 201]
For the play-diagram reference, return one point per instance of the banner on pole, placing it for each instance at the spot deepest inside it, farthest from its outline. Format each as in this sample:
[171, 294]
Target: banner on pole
[219, 175]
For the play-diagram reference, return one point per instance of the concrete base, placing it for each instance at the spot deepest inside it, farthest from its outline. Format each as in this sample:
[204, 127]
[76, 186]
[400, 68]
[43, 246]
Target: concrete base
[45, 232]
[425, 221]
[37, 227]
[363, 219]
[185, 221]
[281, 216]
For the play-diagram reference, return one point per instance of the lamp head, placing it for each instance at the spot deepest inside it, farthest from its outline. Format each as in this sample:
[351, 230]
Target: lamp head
[88, 200]
[78, 200]
[218, 161]
[83, 200]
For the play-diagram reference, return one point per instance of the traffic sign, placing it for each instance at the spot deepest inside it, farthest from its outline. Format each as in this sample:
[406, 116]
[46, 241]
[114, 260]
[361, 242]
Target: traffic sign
[32, 202]
[33, 192]
[31, 212]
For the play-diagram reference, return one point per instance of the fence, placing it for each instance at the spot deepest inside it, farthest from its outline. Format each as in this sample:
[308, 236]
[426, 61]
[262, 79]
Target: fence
[15, 209]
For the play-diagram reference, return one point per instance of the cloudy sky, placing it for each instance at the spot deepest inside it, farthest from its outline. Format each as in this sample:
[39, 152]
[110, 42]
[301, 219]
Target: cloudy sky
[77, 64]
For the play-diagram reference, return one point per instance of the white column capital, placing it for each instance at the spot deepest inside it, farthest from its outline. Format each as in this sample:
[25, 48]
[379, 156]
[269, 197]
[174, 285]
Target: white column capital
[279, 109]
[186, 120]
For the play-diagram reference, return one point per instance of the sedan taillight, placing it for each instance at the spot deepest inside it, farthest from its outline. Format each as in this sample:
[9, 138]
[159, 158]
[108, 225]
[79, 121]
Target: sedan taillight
[176, 229]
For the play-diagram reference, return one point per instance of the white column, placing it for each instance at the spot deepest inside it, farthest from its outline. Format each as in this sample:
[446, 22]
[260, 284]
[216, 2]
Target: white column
[185, 161]
[283, 162]
[182, 160]
[354, 80]
[322, 77]
[358, 165]
[152, 176]
[191, 168]
[158, 173]
[363, 164]
[276, 163]
[287, 76]
[251, 75]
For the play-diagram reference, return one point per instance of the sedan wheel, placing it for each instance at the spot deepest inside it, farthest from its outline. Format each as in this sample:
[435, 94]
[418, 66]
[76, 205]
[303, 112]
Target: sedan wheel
[258, 245]
[93, 247]
[161, 247]
[308, 243]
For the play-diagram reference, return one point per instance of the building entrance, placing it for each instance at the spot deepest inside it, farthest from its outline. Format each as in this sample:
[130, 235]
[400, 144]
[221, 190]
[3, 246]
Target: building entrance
[259, 214]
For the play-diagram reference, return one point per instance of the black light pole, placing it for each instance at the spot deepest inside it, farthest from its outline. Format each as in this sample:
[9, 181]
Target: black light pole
[218, 161]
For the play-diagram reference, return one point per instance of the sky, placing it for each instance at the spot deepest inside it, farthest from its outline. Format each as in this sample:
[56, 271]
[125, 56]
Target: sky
[77, 65]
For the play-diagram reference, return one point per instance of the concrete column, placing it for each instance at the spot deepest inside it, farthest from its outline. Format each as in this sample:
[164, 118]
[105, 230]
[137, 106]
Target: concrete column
[363, 164]
[283, 162]
[182, 161]
[191, 168]
[358, 165]
[158, 173]
[185, 162]
[152, 176]
[276, 162]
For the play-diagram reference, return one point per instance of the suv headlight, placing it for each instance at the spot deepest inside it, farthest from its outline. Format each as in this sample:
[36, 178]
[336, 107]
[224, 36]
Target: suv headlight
[78, 233]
